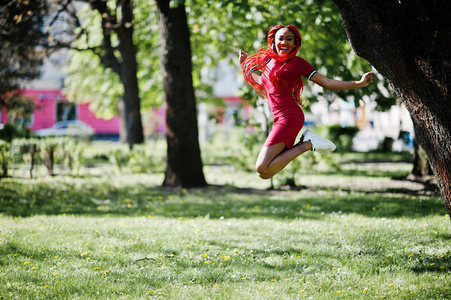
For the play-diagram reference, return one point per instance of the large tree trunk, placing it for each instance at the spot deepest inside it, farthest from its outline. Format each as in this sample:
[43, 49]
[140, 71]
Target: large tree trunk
[184, 164]
[409, 43]
[126, 67]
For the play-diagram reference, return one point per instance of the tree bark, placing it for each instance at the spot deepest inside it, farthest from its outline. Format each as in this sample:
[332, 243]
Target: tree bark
[408, 43]
[184, 164]
[132, 102]
[126, 68]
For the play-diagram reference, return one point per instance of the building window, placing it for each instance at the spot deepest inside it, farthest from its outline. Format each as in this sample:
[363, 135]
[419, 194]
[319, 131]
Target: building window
[65, 111]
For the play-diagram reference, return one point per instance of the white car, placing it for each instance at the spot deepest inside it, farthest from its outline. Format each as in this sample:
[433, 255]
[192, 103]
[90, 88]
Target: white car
[72, 128]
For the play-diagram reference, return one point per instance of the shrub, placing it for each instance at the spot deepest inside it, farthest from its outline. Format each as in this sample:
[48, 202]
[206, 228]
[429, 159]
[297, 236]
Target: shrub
[48, 148]
[68, 152]
[138, 160]
[119, 158]
[63, 151]
[386, 145]
[247, 155]
[75, 154]
[4, 158]
[342, 136]
[142, 160]
[24, 150]
[10, 132]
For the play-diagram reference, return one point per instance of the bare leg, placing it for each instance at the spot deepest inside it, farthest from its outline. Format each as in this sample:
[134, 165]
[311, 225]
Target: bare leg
[273, 159]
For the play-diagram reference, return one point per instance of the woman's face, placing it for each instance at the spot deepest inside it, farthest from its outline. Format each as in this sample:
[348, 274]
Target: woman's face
[284, 41]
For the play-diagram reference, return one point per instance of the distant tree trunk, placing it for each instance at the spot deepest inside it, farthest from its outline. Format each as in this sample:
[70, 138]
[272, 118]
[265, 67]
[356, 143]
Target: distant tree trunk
[184, 163]
[132, 102]
[49, 159]
[33, 149]
[421, 165]
[409, 43]
[126, 67]
[122, 124]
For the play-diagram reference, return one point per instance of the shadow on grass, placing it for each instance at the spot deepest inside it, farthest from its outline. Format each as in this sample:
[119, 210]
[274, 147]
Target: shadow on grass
[20, 252]
[366, 173]
[431, 263]
[111, 196]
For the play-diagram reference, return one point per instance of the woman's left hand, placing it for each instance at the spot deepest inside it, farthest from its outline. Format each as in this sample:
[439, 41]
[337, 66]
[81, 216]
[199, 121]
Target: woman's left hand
[367, 78]
[243, 56]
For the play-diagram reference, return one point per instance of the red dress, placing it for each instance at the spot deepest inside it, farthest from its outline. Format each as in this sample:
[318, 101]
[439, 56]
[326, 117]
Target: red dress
[288, 115]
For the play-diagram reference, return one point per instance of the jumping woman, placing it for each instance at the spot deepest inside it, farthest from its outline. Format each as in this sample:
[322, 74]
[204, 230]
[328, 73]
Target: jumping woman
[281, 83]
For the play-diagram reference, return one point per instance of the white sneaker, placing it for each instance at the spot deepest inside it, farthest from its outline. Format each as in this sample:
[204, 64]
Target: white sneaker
[319, 144]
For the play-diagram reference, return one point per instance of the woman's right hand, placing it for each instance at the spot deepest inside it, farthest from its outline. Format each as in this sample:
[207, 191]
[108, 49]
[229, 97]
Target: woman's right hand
[243, 56]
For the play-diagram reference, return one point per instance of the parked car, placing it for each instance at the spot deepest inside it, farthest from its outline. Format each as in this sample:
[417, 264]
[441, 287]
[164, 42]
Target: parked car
[73, 128]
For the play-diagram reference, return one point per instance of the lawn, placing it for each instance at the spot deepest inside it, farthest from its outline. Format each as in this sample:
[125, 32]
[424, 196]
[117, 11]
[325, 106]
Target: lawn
[360, 233]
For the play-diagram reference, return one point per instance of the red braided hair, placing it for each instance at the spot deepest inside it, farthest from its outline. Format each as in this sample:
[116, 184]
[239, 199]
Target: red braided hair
[261, 58]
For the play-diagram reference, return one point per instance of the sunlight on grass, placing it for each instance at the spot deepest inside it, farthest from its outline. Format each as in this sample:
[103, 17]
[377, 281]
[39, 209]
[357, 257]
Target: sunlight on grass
[183, 258]
[353, 235]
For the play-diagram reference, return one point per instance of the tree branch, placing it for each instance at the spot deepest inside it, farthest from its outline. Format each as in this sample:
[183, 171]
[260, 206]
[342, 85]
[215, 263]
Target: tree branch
[108, 59]
[63, 9]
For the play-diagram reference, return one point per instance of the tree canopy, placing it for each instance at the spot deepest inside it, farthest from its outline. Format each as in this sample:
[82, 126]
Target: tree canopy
[105, 30]
[218, 30]
[21, 40]
[89, 81]
[228, 26]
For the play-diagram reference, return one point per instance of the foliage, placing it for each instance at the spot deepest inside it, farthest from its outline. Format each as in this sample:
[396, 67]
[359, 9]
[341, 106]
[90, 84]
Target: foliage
[292, 174]
[48, 148]
[230, 26]
[18, 106]
[11, 131]
[386, 145]
[66, 152]
[119, 159]
[238, 148]
[140, 159]
[224, 28]
[89, 81]
[342, 136]
[145, 159]
[4, 158]
[69, 156]
[21, 33]
[25, 150]
[111, 41]
[76, 158]
[252, 142]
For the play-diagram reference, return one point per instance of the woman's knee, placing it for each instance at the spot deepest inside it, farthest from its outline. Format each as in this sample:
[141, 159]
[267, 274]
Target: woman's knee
[265, 176]
[263, 172]
[260, 169]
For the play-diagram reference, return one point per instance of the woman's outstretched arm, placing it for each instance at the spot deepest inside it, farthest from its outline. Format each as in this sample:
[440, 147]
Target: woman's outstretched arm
[333, 84]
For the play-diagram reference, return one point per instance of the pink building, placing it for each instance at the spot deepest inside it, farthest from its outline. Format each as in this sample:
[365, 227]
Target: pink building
[52, 106]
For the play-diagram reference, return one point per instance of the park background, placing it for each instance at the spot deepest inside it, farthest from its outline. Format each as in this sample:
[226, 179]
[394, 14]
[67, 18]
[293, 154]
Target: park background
[91, 219]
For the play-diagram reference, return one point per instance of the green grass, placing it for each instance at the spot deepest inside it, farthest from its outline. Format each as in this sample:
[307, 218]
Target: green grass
[358, 234]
